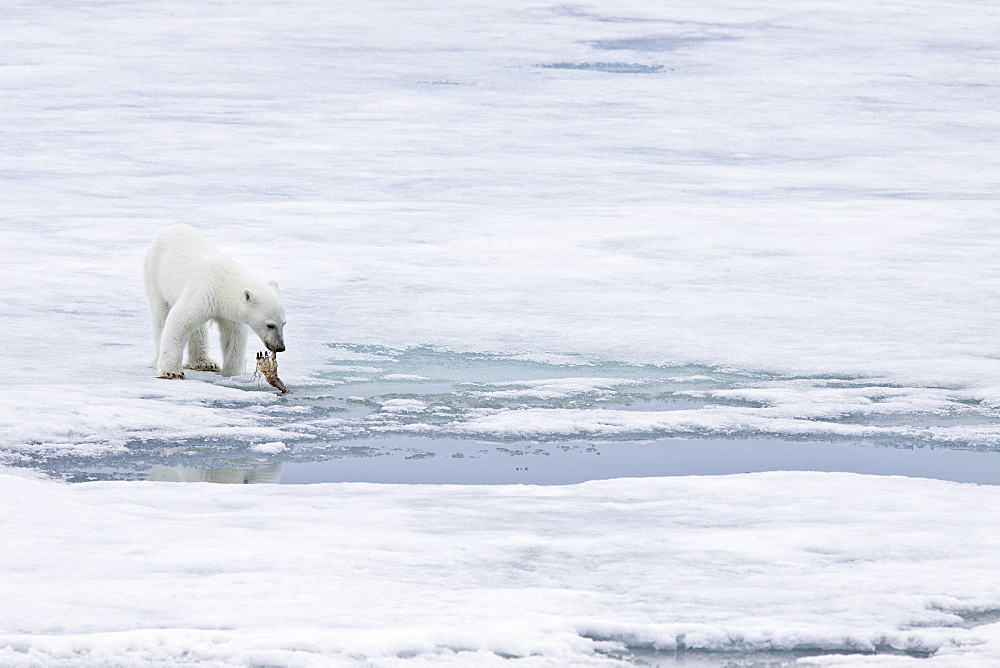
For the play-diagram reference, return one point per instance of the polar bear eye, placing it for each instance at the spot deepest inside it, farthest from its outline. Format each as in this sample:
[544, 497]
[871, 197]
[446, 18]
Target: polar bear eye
[270, 326]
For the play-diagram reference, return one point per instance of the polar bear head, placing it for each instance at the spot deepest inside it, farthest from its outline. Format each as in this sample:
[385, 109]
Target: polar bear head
[266, 316]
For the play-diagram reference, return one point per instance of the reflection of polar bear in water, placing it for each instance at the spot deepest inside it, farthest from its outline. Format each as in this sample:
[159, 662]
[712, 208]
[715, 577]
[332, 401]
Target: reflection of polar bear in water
[265, 474]
[188, 283]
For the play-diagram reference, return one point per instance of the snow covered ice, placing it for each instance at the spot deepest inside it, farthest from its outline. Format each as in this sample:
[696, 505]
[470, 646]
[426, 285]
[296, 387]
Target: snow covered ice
[516, 225]
[464, 575]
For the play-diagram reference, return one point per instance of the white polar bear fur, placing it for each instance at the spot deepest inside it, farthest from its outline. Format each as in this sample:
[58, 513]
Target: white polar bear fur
[188, 283]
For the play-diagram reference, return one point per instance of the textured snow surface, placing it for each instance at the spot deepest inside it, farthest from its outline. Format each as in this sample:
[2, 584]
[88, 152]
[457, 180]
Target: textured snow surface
[516, 220]
[127, 573]
[802, 190]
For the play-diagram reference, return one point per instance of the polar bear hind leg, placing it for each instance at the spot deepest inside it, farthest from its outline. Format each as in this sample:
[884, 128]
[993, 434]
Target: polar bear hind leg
[183, 320]
[158, 309]
[197, 351]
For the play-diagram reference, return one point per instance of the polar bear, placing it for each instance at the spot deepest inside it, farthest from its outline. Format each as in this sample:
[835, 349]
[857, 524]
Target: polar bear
[189, 282]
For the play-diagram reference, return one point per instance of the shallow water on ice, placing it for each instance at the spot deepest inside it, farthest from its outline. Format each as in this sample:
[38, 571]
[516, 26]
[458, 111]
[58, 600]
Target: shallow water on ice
[454, 461]
[425, 415]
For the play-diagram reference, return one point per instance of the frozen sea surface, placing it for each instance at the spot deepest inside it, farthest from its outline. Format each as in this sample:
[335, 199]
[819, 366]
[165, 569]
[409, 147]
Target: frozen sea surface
[649, 231]
[864, 570]
[374, 414]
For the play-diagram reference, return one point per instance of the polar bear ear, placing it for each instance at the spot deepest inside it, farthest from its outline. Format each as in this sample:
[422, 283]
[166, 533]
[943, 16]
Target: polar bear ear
[248, 294]
[274, 285]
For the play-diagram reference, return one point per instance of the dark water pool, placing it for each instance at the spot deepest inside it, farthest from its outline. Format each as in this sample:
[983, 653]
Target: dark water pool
[454, 461]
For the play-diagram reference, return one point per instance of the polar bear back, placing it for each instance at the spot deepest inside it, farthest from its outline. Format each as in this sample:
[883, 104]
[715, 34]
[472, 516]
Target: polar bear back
[181, 259]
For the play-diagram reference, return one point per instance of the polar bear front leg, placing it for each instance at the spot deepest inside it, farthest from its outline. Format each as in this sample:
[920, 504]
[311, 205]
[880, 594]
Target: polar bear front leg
[197, 351]
[233, 337]
[180, 324]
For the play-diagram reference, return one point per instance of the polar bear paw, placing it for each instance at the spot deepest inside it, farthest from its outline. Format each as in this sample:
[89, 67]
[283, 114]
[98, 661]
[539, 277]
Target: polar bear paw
[172, 374]
[204, 364]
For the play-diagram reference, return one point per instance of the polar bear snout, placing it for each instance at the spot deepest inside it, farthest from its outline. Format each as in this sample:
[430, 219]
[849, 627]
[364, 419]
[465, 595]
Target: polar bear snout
[273, 338]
